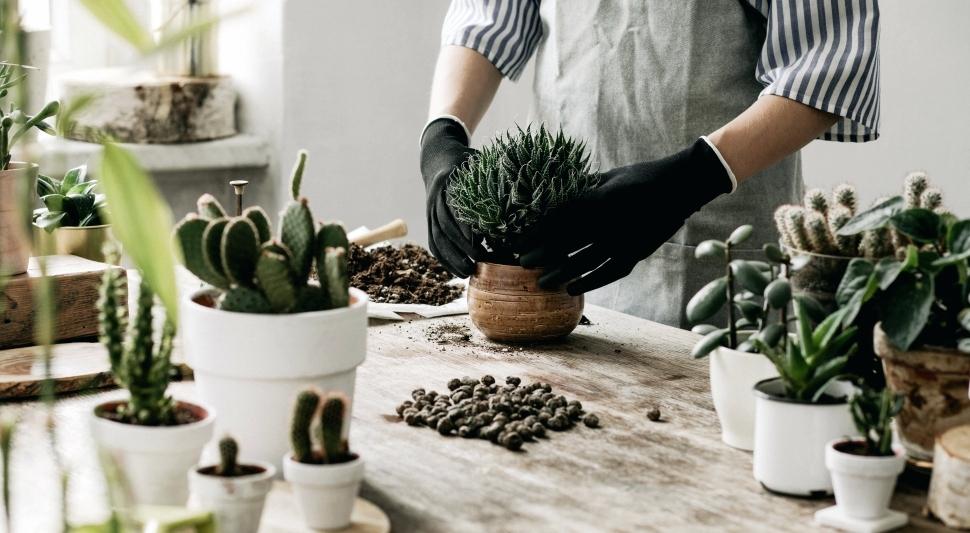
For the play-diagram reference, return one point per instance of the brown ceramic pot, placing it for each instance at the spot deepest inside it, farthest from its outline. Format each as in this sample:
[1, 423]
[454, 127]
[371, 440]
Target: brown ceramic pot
[934, 382]
[15, 216]
[506, 304]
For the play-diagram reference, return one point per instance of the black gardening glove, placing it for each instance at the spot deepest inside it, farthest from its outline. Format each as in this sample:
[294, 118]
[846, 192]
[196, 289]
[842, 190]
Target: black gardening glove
[444, 146]
[630, 213]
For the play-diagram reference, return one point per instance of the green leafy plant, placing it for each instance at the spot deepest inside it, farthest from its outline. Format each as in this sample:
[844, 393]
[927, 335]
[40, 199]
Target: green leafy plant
[257, 273]
[334, 448]
[70, 201]
[922, 296]
[873, 412]
[14, 122]
[506, 189]
[137, 363]
[812, 358]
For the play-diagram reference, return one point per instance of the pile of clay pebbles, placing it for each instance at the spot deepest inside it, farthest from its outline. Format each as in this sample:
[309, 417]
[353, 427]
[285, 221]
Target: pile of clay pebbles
[508, 415]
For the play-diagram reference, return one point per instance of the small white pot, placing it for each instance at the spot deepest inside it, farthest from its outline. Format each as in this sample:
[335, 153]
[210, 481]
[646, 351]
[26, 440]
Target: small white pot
[790, 437]
[325, 493]
[153, 459]
[863, 484]
[250, 367]
[733, 375]
[236, 501]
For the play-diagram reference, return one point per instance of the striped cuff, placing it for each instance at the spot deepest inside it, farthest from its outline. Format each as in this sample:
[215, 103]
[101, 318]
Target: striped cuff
[506, 33]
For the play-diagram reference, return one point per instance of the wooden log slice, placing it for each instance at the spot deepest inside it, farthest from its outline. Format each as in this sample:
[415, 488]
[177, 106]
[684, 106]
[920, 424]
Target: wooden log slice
[949, 497]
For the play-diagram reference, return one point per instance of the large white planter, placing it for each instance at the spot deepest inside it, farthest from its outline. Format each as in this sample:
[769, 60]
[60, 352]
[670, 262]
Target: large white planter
[250, 367]
[863, 484]
[325, 494]
[790, 438]
[733, 376]
[153, 459]
[236, 501]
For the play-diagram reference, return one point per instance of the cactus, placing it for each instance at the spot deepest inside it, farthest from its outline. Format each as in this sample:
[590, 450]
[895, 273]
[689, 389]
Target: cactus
[818, 232]
[913, 187]
[335, 447]
[795, 225]
[296, 176]
[228, 451]
[846, 196]
[303, 411]
[257, 274]
[816, 201]
[136, 363]
[932, 199]
[848, 245]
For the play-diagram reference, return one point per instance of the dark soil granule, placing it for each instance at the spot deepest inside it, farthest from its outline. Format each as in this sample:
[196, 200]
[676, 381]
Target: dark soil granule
[405, 275]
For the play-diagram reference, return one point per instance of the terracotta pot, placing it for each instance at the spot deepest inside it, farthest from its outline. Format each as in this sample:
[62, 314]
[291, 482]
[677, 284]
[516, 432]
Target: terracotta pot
[506, 304]
[934, 382]
[14, 216]
[86, 242]
[820, 277]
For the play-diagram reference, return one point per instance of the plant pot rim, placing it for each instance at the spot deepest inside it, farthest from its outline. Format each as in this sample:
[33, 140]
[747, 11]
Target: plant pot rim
[759, 391]
[735, 351]
[205, 420]
[20, 165]
[332, 475]
[899, 452]
[897, 353]
[76, 228]
[267, 471]
[358, 299]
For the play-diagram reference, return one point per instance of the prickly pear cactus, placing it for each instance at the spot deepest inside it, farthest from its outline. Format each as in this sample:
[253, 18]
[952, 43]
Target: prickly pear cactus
[276, 281]
[304, 409]
[240, 251]
[245, 300]
[257, 215]
[210, 208]
[298, 234]
[335, 272]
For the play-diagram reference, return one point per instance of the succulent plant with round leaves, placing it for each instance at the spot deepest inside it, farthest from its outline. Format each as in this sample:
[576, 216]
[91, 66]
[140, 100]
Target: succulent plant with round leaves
[259, 273]
[69, 201]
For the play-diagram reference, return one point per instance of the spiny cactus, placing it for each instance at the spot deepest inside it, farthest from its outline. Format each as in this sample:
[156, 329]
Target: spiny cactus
[819, 236]
[816, 201]
[304, 409]
[913, 187]
[504, 190]
[335, 447]
[257, 273]
[228, 451]
[136, 363]
[848, 245]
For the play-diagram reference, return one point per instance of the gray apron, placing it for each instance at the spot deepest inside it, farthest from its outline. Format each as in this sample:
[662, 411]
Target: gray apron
[640, 80]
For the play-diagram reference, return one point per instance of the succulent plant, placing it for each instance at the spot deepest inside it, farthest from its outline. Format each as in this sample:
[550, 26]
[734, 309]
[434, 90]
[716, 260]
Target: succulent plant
[872, 413]
[506, 189]
[70, 201]
[258, 273]
[334, 447]
[14, 122]
[228, 452]
[137, 364]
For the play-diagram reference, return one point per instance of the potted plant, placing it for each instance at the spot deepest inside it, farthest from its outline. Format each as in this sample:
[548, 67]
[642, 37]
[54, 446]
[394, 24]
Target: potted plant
[502, 193]
[263, 325]
[798, 413]
[234, 492]
[152, 438]
[72, 219]
[15, 176]
[325, 480]
[922, 302]
[758, 309]
[864, 470]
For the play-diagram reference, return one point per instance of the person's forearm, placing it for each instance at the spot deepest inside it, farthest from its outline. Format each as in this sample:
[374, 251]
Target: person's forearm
[464, 85]
[767, 132]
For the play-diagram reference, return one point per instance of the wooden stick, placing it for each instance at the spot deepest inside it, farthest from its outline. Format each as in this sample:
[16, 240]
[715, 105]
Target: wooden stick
[392, 230]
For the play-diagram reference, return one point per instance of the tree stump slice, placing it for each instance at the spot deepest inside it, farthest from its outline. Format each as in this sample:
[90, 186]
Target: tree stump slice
[147, 108]
[949, 497]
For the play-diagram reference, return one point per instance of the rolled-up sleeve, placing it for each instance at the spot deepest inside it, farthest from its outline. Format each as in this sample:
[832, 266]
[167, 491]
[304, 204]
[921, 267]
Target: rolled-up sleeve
[825, 54]
[506, 32]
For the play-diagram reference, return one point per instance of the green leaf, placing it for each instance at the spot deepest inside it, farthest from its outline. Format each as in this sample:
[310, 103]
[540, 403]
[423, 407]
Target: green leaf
[772, 334]
[141, 220]
[887, 270]
[876, 216]
[707, 301]
[703, 329]
[909, 300]
[825, 375]
[815, 310]
[774, 253]
[709, 343]
[827, 329]
[83, 204]
[119, 19]
[964, 345]
[54, 202]
[856, 278]
[740, 235]
[73, 177]
[963, 317]
[778, 293]
[921, 225]
[806, 344]
[750, 311]
[958, 237]
[50, 220]
[710, 248]
[749, 276]
[46, 185]
[83, 188]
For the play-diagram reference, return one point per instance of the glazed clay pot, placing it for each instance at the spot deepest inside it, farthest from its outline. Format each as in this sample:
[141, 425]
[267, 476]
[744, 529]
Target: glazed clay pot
[506, 304]
[934, 383]
[14, 239]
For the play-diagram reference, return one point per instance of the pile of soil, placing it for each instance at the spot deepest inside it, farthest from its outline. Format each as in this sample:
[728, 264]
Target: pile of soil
[405, 275]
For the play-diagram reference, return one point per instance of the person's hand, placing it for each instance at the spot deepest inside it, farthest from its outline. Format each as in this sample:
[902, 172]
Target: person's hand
[444, 147]
[632, 211]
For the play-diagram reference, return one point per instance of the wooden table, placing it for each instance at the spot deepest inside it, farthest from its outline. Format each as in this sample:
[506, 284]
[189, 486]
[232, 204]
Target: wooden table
[630, 475]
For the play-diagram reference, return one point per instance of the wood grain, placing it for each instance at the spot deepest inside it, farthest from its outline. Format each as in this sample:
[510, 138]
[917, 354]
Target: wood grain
[949, 496]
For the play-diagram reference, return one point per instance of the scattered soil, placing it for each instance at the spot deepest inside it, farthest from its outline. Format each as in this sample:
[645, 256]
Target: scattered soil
[855, 447]
[405, 275]
[185, 413]
[449, 333]
[241, 470]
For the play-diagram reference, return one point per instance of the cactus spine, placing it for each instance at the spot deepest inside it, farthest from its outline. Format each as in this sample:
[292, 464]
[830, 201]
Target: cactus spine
[303, 411]
[335, 448]
[228, 451]
[257, 274]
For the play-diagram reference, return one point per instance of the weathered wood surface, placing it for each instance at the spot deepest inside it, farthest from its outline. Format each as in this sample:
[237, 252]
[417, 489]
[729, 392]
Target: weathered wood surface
[76, 282]
[630, 475]
[949, 496]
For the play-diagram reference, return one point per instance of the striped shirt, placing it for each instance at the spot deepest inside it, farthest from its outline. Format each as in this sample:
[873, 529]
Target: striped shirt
[822, 53]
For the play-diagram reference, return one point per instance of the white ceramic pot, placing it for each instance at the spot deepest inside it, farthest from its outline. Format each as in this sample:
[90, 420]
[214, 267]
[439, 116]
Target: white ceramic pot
[790, 437]
[249, 367]
[236, 501]
[153, 459]
[863, 484]
[325, 494]
[733, 375]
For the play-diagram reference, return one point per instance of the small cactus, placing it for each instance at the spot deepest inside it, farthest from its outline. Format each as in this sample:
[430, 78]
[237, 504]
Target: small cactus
[303, 411]
[254, 272]
[228, 451]
[845, 195]
[795, 224]
[848, 245]
[819, 236]
[913, 187]
[335, 448]
[815, 200]
[932, 199]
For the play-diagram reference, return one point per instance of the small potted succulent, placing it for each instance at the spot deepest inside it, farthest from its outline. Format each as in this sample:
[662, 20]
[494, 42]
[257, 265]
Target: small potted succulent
[502, 193]
[150, 436]
[235, 492]
[798, 413]
[864, 470]
[72, 220]
[326, 480]
[263, 324]
[922, 302]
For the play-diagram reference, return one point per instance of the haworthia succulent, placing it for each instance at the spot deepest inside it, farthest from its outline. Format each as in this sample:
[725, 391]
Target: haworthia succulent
[189, 234]
[210, 208]
[260, 219]
[240, 251]
[297, 233]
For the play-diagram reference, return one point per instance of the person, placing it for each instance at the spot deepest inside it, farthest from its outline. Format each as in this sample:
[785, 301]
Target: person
[695, 110]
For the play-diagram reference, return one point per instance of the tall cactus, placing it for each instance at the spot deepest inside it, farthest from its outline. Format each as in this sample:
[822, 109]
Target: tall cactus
[335, 447]
[304, 409]
[258, 274]
[228, 452]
